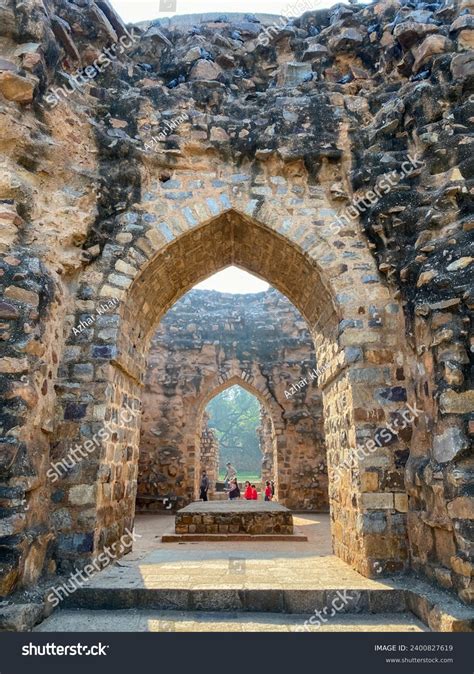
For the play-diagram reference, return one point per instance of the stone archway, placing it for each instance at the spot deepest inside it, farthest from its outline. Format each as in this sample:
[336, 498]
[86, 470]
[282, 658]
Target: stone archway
[206, 339]
[87, 206]
[267, 402]
[181, 446]
[357, 380]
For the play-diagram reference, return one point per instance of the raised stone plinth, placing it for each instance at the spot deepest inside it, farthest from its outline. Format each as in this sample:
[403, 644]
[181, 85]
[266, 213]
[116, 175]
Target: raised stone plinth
[233, 520]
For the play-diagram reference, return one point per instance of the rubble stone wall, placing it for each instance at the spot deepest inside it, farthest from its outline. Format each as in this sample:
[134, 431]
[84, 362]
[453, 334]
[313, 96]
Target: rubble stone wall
[266, 437]
[284, 165]
[236, 521]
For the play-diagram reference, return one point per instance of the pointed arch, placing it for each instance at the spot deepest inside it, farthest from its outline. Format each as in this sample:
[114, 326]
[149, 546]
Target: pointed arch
[351, 316]
[266, 401]
[228, 239]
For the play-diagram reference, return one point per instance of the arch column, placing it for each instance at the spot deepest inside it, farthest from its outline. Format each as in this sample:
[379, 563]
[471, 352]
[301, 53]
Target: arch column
[209, 453]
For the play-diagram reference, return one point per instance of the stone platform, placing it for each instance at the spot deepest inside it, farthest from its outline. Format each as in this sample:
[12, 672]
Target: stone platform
[233, 520]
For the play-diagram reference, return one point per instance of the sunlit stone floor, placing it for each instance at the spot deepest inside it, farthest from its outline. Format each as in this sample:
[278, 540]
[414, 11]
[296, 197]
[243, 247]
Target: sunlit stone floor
[235, 586]
[257, 565]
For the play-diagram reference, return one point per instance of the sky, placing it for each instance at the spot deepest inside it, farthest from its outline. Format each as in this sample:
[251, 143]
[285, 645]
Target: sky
[142, 10]
[233, 280]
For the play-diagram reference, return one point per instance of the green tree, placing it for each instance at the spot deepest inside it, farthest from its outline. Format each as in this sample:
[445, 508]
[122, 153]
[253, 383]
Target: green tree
[234, 414]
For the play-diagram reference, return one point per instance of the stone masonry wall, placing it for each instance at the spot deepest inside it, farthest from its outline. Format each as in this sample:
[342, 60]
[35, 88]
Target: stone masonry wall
[284, 132]
[207, 341]
[238, 520]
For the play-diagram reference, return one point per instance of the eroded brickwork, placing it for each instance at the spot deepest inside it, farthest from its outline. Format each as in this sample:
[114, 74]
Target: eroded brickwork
[280, 139]
[209, 453]
[208, 341]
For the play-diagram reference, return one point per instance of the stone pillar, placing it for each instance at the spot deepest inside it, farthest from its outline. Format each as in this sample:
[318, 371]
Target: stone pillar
[209, 454]
[265, 434]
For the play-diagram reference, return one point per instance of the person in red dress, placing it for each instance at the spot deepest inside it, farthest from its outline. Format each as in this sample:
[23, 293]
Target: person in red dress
[248, 491]
[254, 496]
[268, 491]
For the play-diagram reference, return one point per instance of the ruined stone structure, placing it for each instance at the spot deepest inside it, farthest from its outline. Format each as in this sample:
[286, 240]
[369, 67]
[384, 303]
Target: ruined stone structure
[279, 135]
[209, 453]
[156, 492]
[208, 342]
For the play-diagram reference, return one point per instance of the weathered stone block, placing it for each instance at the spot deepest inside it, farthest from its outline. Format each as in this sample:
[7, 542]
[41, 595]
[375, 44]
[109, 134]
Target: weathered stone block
[401, 502]
[377, 501]
[449, 444]
[82, 494]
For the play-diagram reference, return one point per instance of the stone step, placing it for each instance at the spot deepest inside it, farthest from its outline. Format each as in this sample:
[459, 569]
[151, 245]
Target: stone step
[133, 620]
[389, 600]
[440, 611]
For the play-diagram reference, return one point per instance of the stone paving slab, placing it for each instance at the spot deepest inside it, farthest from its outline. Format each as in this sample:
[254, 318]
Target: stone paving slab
[181, 621]
[240, 568]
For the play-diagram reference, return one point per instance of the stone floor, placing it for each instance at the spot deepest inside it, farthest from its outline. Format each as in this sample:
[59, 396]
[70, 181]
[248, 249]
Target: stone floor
[246, 586]
[151, 527]
[273, 565]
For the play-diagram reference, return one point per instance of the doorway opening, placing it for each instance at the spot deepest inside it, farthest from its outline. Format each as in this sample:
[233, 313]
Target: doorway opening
[220, 387]
[235, 431]
[337, 313]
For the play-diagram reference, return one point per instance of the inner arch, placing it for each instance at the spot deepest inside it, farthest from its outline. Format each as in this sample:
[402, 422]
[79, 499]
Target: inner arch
[229, 427]
[229, 239]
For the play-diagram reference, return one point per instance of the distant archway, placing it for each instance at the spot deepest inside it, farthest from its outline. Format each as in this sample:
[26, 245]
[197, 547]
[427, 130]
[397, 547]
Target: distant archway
[205, 340]
[267, 403]
[232, 431]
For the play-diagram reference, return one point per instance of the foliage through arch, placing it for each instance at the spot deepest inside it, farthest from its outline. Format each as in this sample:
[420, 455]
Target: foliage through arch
[234, 415]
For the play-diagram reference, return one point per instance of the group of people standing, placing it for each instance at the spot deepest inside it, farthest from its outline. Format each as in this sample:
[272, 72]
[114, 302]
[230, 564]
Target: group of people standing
[232, 486]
